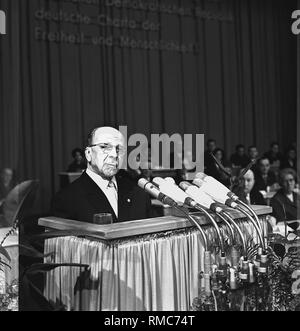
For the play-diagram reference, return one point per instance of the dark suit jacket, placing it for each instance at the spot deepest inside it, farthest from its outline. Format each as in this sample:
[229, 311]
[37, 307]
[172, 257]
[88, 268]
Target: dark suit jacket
[260, 184]
[273, 158]
[285, 164]
[239, 161]
[256, 198]
[83, 198]
[283, 207]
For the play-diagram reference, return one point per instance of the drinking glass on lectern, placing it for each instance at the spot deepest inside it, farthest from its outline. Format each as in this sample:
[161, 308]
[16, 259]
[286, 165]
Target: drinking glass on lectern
[103, 218]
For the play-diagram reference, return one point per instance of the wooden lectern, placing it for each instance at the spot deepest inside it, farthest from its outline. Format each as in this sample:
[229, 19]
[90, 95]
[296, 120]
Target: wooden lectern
[143, 265]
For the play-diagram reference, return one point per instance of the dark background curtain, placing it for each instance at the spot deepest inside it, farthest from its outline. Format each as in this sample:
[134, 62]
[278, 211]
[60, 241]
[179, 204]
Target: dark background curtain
[298, 111]
[239, 87]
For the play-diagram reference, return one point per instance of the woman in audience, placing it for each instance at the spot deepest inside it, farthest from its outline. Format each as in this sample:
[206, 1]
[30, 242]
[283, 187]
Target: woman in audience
[78, 165]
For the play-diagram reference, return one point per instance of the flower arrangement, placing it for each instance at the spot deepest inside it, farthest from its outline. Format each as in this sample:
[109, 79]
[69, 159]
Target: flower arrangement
[8, 292]
[9, 300]
[277, 289]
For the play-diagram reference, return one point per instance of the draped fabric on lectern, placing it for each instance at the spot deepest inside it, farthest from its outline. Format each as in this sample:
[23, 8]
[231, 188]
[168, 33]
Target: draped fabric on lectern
[238, 86]
[150, 272]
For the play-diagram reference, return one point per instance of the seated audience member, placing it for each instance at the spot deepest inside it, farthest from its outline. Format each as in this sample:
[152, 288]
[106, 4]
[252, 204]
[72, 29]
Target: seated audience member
[274, 155]
[214, 169]
[208, 159]
[78, 165]
[290, 159]
[7, 183]
[264, 177]
[285, 201]
[239, 158]
[100, 189]
[247, 192]
[253, 156]
[252, 153]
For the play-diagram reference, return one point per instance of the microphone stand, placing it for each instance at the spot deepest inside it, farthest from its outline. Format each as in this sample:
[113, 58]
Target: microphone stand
[214, 223]
[203, 235]
[254, 215]
[231, 230]
[207, 253]
[240, 273]
[285, 222]
[261, 266]
[238, 201]
[239, 231]
[221, 275]
[257, 228]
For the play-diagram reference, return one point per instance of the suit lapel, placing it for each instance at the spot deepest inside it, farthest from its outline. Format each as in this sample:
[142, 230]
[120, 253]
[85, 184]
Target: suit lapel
[95, 195]
[124, 199]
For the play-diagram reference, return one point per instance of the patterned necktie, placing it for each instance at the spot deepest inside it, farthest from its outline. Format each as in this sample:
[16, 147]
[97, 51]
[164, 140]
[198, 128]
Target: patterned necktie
[113, 196]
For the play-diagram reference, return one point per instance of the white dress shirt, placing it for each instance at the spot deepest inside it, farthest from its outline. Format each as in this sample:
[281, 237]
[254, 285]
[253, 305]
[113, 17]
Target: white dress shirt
[248, 198]
[291, 197]
[109, 188]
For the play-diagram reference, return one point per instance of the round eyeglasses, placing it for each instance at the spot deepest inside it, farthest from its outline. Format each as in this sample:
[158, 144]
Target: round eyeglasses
[107, 148]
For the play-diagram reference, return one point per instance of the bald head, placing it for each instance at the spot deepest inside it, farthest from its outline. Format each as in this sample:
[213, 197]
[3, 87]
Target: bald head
[105, 151]
[248, 181]
[104, 132]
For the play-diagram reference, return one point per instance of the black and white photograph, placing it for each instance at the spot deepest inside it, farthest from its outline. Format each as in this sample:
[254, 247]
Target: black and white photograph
[149, 158]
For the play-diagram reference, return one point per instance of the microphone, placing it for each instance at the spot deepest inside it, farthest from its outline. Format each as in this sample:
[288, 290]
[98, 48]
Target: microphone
[214, 189]
[170, 189]
[174, 192]
[222, 189]
[154, 191]
[199, 196]
[222, 194]
[170, 180]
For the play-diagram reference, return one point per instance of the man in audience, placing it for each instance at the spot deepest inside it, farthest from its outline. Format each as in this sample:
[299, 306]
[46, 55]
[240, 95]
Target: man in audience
[285, 201]
[253, 156]
[252, 153]
[239, 158]
[264, 177]
[100, 189]
[247, 191]
[274, 155]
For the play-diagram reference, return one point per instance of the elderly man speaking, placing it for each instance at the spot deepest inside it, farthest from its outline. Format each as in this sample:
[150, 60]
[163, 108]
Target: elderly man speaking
[100, 189]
